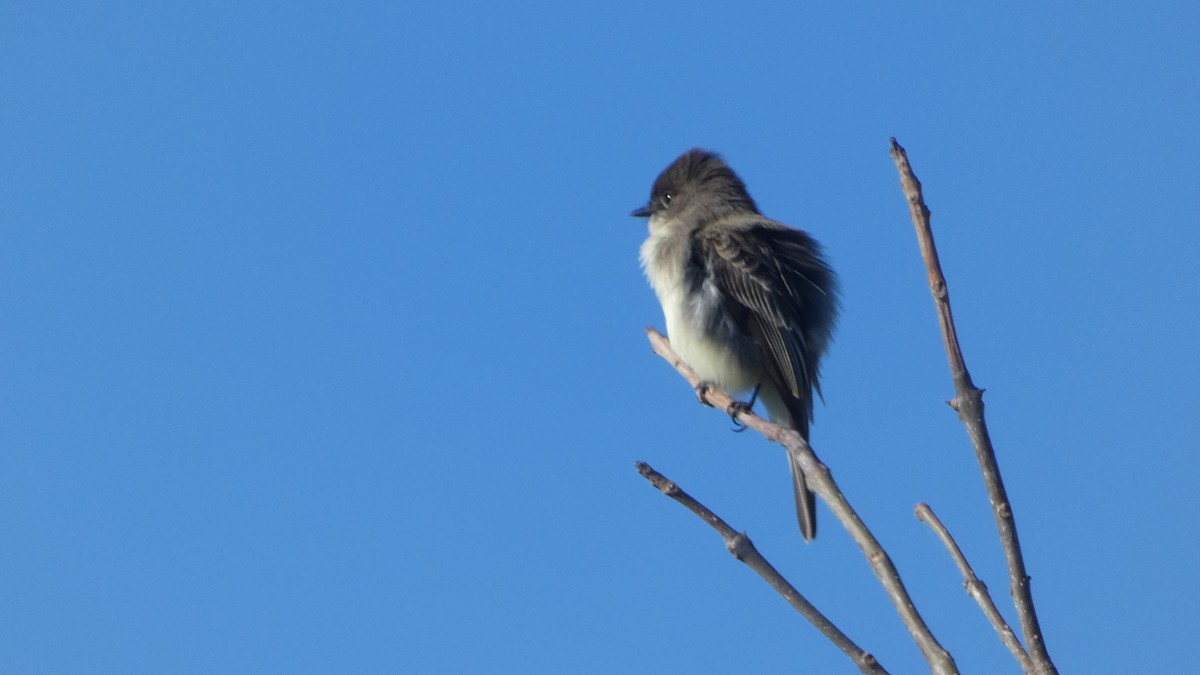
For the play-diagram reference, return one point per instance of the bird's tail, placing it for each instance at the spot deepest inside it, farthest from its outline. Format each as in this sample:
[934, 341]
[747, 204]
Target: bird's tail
[795, 413]
[806, 502]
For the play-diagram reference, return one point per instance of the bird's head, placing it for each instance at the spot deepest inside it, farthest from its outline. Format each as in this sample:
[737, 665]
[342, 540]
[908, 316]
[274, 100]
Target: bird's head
[698, 186]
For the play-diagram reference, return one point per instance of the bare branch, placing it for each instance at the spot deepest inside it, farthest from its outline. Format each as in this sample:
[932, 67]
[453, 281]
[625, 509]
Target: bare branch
[975, 587]
[821, 482]
[744, 550]
[969, 404]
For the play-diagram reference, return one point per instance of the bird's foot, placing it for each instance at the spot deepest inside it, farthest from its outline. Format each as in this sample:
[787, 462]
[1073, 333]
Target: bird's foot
[702, 391]
[738, 407]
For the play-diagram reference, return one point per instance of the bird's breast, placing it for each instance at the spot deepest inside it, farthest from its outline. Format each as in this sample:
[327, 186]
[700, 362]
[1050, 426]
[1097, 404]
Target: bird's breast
[701, 332]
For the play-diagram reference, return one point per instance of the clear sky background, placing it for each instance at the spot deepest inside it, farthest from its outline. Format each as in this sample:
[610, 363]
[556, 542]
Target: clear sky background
[322, 346]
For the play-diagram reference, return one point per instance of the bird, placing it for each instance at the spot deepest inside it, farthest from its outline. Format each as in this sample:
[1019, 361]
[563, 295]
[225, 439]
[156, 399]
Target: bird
[750, 303]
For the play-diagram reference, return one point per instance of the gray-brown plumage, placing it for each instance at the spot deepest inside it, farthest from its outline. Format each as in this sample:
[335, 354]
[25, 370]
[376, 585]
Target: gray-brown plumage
[749, 302]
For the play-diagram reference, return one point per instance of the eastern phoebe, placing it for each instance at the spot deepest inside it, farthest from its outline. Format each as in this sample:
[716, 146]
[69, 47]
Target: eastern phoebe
[750, 303]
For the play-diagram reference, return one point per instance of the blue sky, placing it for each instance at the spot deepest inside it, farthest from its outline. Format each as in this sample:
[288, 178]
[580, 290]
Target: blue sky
[322, 346]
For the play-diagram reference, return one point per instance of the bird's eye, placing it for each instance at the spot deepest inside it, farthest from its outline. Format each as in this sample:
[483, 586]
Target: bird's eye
[666, 199]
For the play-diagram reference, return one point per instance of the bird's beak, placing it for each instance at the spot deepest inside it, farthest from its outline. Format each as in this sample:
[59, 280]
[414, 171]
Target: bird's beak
[643, 212]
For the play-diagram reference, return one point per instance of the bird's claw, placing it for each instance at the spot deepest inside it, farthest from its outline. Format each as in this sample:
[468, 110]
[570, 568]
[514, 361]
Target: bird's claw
[736, 408]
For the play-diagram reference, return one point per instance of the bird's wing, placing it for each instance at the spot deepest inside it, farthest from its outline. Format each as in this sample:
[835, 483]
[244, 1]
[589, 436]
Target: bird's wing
[775, 276]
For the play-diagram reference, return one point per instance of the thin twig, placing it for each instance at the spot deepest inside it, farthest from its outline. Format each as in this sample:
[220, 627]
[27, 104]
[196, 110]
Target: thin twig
[738, 544]
[821, 482]
[975, 587]
[968, 402]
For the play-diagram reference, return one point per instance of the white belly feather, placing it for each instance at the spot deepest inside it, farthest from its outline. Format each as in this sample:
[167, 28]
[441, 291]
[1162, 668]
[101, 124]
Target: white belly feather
[712, 359]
